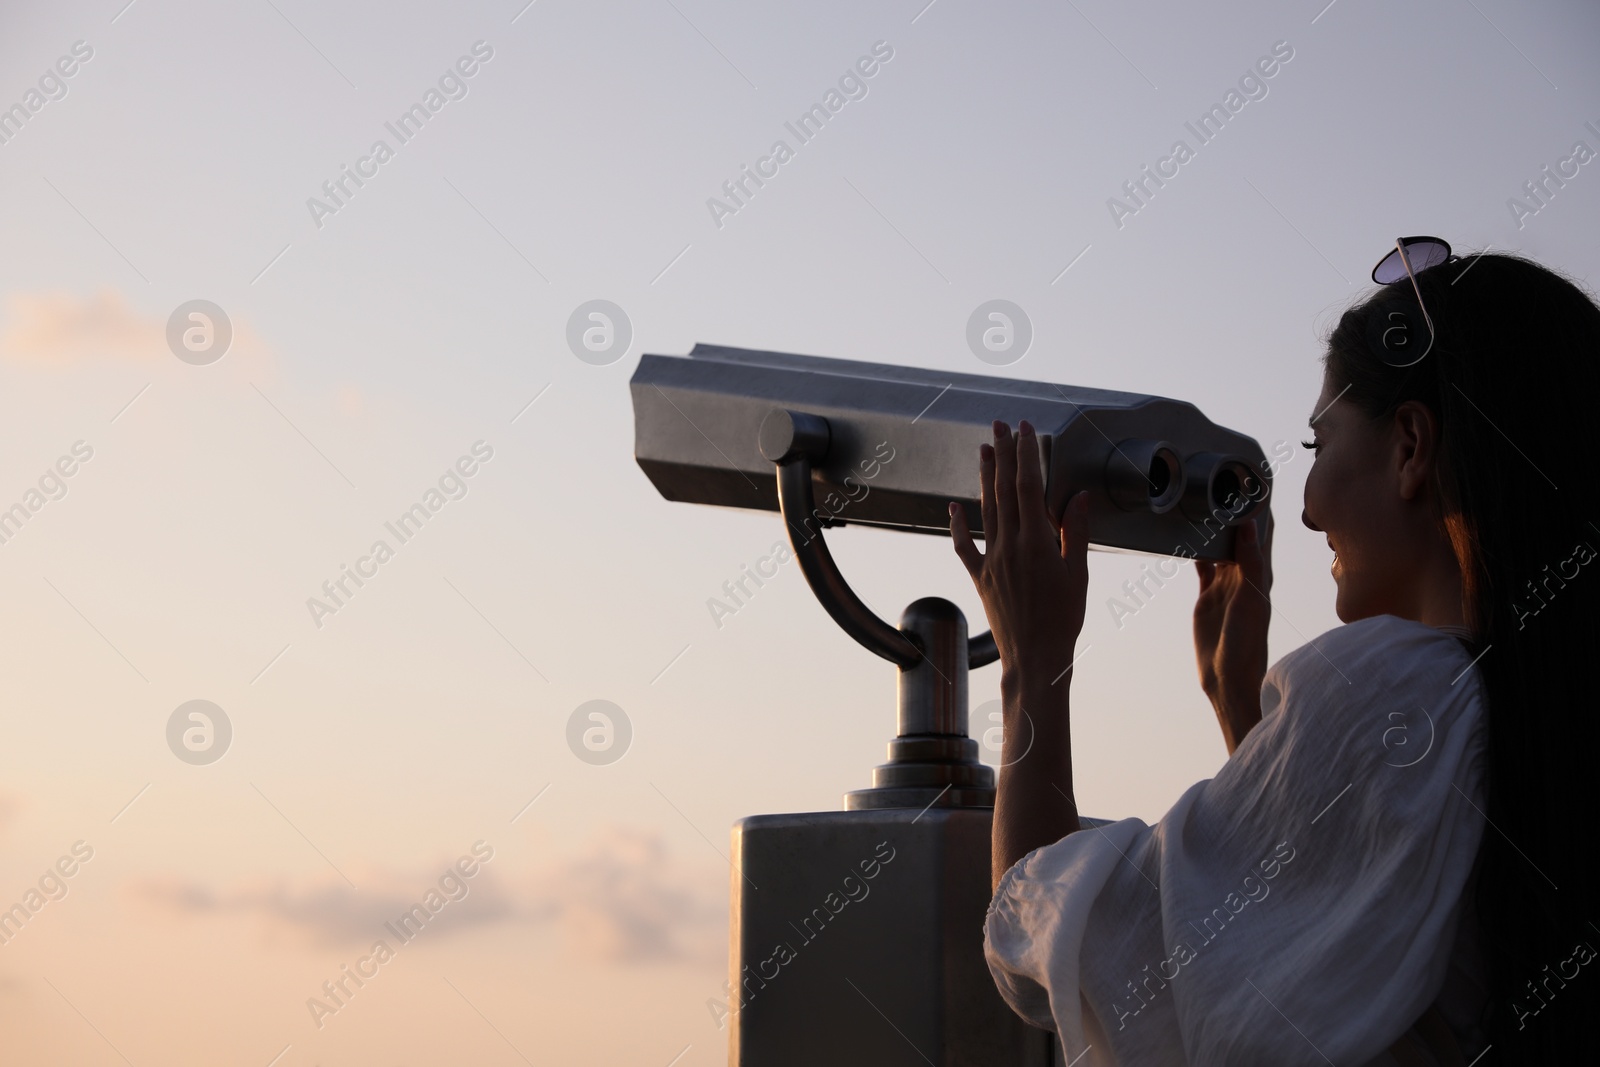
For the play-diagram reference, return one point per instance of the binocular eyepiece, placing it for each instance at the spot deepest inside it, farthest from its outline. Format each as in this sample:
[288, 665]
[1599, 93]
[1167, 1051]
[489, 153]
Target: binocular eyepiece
[1142, 474]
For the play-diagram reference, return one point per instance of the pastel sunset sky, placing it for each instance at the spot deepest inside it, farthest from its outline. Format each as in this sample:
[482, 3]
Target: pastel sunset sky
[404, 339]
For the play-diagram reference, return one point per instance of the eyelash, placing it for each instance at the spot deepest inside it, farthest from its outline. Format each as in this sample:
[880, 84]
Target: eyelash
[1314, 446]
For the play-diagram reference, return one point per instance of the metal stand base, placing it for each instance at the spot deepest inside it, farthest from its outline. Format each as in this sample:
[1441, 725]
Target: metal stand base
[858, 942]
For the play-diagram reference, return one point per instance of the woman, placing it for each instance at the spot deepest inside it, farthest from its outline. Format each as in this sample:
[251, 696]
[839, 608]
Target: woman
[1394, 864]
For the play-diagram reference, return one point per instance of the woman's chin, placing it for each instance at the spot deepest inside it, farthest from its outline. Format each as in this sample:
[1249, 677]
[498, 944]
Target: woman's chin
[1343, 603]
[1350, 607]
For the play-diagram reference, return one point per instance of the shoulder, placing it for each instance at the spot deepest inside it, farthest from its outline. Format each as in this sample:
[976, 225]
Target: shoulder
[1366, 691]
[1382, 654]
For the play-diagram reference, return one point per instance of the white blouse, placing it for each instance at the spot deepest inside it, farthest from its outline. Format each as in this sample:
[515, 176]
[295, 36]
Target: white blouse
[1304, 906]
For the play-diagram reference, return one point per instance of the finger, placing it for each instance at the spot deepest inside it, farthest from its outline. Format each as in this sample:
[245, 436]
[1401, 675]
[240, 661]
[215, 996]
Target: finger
[962, 538]
[1248, 556]
[991, 521]
[1266, 529]
[1030, 483]
[1005, 482]
[1075, 533]
[1207, 572]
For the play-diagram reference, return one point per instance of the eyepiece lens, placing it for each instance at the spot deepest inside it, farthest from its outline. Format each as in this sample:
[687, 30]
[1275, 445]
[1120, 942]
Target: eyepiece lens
[1225, 489]
[1160, 475]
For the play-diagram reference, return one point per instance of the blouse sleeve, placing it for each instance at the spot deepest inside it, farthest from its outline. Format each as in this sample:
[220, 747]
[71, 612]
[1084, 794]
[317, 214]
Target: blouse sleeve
[1301, 906]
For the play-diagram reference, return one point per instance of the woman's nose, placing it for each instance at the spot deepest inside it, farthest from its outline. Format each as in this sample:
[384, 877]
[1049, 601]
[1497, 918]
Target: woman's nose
[1306, 519]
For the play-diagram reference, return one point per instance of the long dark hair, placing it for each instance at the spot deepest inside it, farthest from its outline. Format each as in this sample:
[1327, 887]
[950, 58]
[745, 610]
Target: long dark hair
[1513, 378]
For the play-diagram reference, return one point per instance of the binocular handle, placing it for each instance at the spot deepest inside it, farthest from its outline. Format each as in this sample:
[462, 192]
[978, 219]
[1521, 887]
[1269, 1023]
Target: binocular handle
[793, 441]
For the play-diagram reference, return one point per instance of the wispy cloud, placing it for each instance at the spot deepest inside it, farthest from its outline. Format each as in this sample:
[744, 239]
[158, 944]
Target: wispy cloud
[62, 329]
[329, 913]
[58, 328]
[621, 899]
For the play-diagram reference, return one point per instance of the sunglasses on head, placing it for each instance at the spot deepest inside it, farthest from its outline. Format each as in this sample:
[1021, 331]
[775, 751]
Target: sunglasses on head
[1410, 256]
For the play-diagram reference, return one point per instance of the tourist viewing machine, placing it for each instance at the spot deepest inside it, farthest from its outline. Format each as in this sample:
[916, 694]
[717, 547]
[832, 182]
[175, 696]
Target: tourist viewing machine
[857, 935]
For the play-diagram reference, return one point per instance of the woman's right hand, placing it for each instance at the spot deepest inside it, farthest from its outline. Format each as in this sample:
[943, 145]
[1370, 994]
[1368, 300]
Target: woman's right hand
[1231, 615]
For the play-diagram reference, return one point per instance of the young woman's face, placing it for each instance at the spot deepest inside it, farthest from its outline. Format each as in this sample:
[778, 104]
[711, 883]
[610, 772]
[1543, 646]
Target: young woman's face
[1353, 496]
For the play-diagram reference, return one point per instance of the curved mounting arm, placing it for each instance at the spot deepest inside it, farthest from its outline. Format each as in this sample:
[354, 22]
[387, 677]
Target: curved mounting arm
[981, 650]
[793, 441]
[822, 573]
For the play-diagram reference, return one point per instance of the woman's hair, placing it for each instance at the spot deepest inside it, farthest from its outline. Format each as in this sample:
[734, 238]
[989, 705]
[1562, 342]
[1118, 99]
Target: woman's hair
[1513, 378]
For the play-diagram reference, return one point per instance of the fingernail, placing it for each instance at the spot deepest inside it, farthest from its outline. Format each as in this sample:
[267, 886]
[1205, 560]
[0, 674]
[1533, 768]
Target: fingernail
[1026, 427]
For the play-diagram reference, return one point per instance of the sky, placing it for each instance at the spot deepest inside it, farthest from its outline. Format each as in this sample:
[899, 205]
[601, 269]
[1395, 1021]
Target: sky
[404, 340]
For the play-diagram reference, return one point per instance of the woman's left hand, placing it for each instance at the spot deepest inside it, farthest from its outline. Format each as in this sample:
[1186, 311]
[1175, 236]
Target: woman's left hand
[1033, 575]
[1231, 616]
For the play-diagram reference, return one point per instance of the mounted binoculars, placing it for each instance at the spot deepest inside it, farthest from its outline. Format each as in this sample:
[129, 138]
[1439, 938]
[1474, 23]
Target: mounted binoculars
[830, 442]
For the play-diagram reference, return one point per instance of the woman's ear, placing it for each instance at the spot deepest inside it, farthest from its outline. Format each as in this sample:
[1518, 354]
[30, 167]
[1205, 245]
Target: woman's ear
[1416, 436]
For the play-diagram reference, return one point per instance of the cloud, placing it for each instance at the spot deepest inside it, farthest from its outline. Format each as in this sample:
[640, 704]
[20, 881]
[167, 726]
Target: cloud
[60, 329]
[621, 899]
[331, 914]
